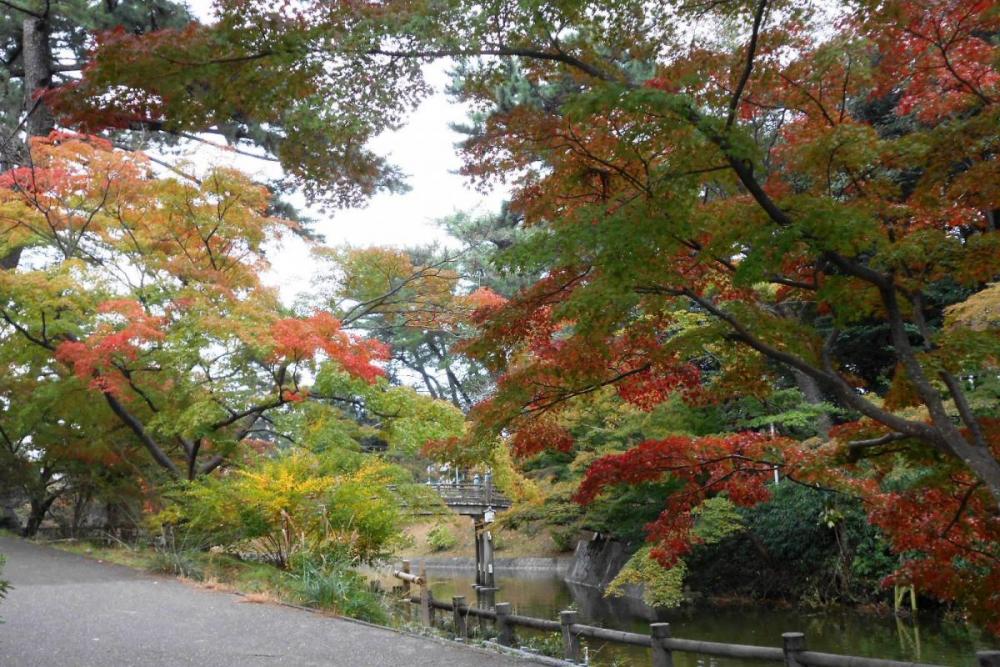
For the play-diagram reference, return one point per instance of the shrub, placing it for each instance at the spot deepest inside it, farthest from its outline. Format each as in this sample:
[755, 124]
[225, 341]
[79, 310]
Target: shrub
[661, 587]
[178, 563]
[335, 587]
[334, 506]
[802, 543]
[440, 538]
[547, 644]
[716, 519]
[565, 538]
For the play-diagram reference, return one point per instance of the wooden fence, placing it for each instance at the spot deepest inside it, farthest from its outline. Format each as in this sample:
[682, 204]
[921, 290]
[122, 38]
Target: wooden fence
[792, 653]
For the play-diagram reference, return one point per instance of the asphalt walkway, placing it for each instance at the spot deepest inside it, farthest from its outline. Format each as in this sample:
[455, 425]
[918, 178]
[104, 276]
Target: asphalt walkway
[69, 610]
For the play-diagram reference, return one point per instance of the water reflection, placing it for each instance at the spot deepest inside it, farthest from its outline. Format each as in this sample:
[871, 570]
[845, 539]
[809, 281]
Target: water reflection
[544, 594]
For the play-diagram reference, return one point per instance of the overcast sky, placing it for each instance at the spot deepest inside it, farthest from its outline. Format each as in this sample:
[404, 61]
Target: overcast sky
[424, 149]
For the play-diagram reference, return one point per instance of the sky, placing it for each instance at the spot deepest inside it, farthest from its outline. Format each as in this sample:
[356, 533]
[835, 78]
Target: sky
[425, 151]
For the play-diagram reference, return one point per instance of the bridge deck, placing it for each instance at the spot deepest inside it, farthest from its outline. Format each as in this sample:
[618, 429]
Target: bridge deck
[472, 499]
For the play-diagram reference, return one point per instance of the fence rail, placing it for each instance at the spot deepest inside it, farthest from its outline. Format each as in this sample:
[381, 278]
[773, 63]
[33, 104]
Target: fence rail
[471, 494]
[792, 653]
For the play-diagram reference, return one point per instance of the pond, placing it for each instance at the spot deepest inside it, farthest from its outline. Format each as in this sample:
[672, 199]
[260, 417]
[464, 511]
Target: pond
[544, 594]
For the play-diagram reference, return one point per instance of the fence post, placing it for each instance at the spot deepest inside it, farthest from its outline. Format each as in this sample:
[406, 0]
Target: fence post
[988, 658]
[484, 600]
[793, 644]
[407, 592]
[505, 629]
[571, 642]
[459, 615]
[662, 656]
[425, 597]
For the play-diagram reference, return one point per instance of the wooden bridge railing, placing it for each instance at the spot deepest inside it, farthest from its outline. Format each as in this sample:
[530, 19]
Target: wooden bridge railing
[792, 653]
[471, 494]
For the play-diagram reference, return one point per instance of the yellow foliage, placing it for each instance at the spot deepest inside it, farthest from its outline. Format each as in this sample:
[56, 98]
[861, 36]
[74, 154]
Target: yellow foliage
[980, 312]
[661, 587]
[509, 479]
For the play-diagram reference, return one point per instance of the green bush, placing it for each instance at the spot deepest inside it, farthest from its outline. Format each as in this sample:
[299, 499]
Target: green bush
[661, 587]
[440, 538]
[801, 544]
[565, 538]
[335, 587]
[547, 644]
[716, 519]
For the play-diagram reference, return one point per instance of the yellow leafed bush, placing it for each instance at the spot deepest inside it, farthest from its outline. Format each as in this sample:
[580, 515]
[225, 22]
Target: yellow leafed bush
[338, 506]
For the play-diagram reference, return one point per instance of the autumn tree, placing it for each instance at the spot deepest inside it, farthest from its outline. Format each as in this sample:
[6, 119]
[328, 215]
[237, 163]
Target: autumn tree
[313, 115]
[145, 292]
[56, 443]
[47, 44]
[794, 178]
[419, 301]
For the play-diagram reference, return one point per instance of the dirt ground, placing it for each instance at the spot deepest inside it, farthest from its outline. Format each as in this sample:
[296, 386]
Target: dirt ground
[509, 543]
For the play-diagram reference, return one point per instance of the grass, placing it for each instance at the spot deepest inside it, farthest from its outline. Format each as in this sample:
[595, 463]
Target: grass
[137, 558]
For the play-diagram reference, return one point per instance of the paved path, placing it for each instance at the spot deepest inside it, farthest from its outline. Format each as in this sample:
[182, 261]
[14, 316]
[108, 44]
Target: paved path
[69, 610]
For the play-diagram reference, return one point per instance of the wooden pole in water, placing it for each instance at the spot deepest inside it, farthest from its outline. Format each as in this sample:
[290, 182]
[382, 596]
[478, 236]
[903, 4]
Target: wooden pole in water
[484, 600]
[488, 579]
[479, 552]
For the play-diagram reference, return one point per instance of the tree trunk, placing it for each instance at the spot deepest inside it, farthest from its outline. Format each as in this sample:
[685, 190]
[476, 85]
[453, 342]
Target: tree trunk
[982, 464]
[813, 395]
[39, 509]
[11, 259]
[37, 59]
[81, 503]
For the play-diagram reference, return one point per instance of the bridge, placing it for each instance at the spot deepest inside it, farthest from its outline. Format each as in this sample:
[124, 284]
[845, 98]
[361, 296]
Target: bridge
[481, 502]
[472, 499]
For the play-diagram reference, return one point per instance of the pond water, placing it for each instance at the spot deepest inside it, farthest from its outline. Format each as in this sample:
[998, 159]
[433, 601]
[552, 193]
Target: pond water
[543, 594]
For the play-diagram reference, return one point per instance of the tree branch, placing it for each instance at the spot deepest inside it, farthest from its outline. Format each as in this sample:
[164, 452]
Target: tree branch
[136, 426]
[19, 8]
[748, 68]
[964, 409]
[877, 442]
[845, 391]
